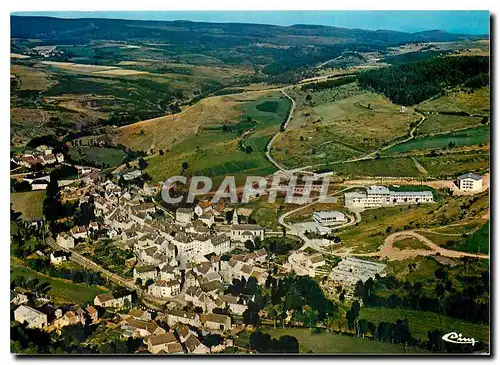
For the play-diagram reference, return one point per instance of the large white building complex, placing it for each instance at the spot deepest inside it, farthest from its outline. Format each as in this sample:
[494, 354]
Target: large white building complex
[350, 270]
[329, 218]
[470, 182]
[381, 196]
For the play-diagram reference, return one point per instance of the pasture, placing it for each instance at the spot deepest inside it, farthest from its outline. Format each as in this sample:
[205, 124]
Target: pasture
[341, 129]
[439, 123]
[98, 156]
[324, 342]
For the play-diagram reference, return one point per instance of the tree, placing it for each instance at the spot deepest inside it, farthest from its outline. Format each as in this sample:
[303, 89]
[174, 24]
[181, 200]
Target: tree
[272, 314]
[352, 314]
[248, 149]
[142, 163]
[249, 245]
[288, 344]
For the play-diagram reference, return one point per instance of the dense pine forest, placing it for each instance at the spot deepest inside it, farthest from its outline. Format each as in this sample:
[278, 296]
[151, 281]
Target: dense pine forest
[412, 83]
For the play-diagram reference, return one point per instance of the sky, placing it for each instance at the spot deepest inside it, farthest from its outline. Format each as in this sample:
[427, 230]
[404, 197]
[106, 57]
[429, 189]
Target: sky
[465, 22]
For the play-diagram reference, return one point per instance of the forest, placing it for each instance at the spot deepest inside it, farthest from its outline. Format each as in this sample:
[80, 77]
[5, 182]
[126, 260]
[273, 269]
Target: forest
[414, 82]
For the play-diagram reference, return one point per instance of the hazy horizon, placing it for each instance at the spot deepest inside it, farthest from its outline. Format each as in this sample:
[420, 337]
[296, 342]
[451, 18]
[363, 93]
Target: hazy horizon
[465, 22]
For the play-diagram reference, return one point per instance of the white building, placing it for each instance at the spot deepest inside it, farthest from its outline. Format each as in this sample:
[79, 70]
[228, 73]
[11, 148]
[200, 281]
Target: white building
[381, 196]
[244, 232]
[65, 240]
[470, 182]
[33, 317]
[109, 300]
[164, 289]
[58, 257]
[183, 215]
[329, 218]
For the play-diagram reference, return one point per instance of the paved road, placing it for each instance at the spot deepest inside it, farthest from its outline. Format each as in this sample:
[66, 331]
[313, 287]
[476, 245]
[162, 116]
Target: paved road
[87, 263]
[269, 145]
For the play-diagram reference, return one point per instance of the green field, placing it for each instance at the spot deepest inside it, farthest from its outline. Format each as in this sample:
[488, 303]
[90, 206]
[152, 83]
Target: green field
[478, 242]
[400, 166]
[456, 163]
[422, 322]
[472, 136]
[410, 243]
[215, 153]
[61, 290]
[439, 123]
[29, 203]
[332, 343]
[97, 155]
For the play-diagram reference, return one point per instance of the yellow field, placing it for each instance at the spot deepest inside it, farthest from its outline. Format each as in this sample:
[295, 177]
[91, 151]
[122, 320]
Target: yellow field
[17, 55]
[477, 102]
[30, 78]
[163, 132]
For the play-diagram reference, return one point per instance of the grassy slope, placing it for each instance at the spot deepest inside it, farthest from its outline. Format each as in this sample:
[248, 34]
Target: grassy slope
[215, 153]
[29, 203]
[340, 129]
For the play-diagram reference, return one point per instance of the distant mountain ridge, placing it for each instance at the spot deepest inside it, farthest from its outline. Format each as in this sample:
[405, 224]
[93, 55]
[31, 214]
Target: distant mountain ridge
[50, 30]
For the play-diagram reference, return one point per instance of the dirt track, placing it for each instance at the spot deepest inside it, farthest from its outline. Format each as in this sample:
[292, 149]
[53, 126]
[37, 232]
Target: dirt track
[388, 250]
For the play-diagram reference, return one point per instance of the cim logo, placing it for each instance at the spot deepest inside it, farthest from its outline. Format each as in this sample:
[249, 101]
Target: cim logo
[454, 337]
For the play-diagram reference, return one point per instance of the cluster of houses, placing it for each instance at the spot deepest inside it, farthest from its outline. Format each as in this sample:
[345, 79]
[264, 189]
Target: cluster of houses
[182, 335]
[52, 318]
[42, 155]
[306, 264]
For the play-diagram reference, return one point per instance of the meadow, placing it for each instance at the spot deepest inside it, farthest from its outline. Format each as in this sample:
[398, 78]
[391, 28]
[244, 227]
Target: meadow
[439, 123]
[62, 291]
[477, 102]
[329, 131]
[97, 156]
[324, 342]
